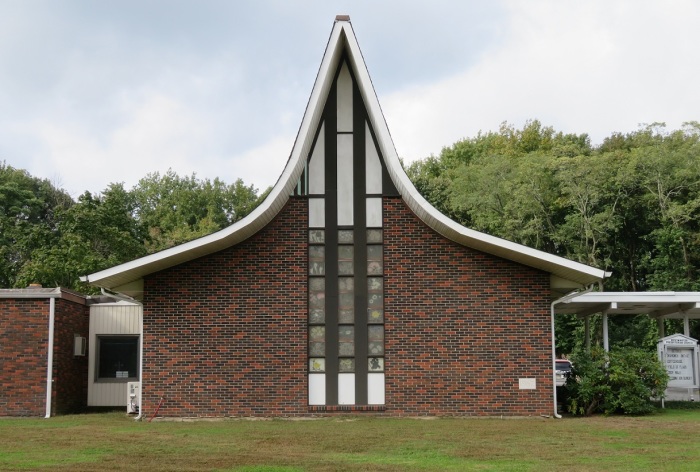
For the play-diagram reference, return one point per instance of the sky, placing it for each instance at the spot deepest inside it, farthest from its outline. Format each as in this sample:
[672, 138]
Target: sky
[100, 92]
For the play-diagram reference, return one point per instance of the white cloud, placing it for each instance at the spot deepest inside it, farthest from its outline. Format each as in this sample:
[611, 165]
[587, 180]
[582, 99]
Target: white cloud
[158, 133]
[583, 67]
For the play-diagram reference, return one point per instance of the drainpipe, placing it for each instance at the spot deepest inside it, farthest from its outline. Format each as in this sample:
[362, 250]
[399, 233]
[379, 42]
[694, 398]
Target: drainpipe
[138, 417]
[49, 360]
[554, 349]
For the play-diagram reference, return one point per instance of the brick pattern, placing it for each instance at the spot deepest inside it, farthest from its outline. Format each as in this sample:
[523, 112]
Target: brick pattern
[462, 326]
[225, 335]
[24, 330]
[70, 373]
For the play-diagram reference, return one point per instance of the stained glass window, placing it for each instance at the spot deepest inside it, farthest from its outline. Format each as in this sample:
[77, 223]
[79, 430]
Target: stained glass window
[346, 284]
[346, 340]
[375, 364]
[375, 265]
[345, 260]
[374, 236]
[317, 364]
[346, 365]
[376, 340]
[317, 260]
[317, 333]
[346, 315]
[345, 236]
[317, 236]
[317, 349]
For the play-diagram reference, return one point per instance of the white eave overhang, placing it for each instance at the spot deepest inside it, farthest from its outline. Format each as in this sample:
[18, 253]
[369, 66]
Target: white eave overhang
[567, 274]
[655, 304]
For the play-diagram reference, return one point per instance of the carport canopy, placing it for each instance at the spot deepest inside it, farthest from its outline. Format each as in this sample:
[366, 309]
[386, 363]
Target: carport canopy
[658, 305]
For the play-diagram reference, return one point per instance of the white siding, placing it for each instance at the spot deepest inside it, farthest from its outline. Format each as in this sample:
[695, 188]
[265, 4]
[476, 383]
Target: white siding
[106, 319]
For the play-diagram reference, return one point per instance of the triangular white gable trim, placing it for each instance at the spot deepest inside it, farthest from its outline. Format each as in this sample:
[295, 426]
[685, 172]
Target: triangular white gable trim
[342, 38]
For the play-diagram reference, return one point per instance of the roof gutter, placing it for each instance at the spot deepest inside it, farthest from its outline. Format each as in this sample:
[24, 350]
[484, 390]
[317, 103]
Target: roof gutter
[554, 348]
[49, 361]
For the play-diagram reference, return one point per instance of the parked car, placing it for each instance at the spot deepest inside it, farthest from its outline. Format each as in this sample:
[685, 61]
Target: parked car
[563, 370]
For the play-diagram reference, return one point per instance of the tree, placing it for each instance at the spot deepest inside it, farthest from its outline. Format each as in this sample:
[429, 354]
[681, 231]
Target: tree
[174, 209]
[28, 219]
[95, 233]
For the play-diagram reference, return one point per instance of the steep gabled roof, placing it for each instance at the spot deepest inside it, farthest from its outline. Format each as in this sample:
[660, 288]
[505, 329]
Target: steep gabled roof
[125, 277]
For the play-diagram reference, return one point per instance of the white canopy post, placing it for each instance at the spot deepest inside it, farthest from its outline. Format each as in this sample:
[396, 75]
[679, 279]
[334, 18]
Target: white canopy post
[686, 324]
[606, 341]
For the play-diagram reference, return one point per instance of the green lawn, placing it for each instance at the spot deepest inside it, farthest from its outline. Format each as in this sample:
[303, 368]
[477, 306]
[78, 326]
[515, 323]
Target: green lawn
[669, 440]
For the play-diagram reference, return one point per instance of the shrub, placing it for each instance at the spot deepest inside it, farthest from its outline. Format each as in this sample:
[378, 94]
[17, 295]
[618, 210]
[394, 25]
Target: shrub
[621, 381]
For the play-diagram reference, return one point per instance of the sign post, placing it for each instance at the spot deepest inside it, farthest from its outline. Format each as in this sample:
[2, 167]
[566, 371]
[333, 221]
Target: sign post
[680, 355]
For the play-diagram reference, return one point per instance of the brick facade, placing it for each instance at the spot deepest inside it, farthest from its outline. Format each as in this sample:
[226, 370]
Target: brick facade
[24, 330]
[226, 334]
[70, 379]
[462, 326]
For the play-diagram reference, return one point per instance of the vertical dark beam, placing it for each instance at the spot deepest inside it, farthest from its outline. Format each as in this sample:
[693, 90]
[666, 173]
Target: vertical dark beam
[360, 218]
[331, 214]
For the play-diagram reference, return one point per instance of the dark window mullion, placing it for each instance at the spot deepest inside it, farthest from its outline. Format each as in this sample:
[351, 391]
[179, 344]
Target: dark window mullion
[360, 218]
[331, 215]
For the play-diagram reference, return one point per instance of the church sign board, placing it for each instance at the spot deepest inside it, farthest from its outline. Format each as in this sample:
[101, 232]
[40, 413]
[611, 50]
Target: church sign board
[679, 355]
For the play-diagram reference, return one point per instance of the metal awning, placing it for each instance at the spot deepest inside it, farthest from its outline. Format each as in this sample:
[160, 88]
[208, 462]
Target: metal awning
[678, 305]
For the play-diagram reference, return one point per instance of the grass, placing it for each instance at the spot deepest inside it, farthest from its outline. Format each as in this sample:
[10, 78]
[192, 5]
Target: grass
[667, 440]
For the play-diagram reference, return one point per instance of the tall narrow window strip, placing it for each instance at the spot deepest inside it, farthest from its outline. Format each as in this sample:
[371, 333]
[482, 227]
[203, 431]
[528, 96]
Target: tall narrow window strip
[317, 166]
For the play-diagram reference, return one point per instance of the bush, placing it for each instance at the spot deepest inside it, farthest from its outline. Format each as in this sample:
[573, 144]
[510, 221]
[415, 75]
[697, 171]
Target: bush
[621, 381]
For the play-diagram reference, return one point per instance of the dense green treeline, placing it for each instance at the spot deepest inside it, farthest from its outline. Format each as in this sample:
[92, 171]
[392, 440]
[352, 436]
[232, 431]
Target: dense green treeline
[46, 237]
[630, 206]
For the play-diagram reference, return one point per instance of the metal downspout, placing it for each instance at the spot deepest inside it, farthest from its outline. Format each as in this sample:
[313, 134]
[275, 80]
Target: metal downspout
[49, 360]
[554, 349]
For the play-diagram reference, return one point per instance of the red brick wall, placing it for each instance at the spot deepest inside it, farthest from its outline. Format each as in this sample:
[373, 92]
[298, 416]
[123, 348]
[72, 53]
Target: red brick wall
[24, 331]
[226, 334]
[70, 373]
[462, 326]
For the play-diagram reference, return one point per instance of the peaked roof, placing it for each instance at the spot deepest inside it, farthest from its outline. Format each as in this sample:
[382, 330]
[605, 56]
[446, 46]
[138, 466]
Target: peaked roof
[125, 277]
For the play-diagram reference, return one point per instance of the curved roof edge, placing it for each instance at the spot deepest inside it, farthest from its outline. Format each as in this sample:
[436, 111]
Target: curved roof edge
[342, 38]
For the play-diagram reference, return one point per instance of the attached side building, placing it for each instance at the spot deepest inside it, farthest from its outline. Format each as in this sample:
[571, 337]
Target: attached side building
[345, 290]
[40, 373]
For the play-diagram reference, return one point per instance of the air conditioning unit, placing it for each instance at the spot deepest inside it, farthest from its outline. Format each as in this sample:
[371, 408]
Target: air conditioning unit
[79, 345]
[133, 390]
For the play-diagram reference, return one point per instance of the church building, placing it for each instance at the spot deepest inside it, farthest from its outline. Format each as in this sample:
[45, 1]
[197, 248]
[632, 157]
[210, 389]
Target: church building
[345, 291]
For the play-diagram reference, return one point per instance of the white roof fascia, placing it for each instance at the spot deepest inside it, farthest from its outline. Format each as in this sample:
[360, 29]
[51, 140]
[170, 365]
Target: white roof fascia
[264, 213]
[343, 36]
[31, 293]
[656, 304]
[556, 265]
